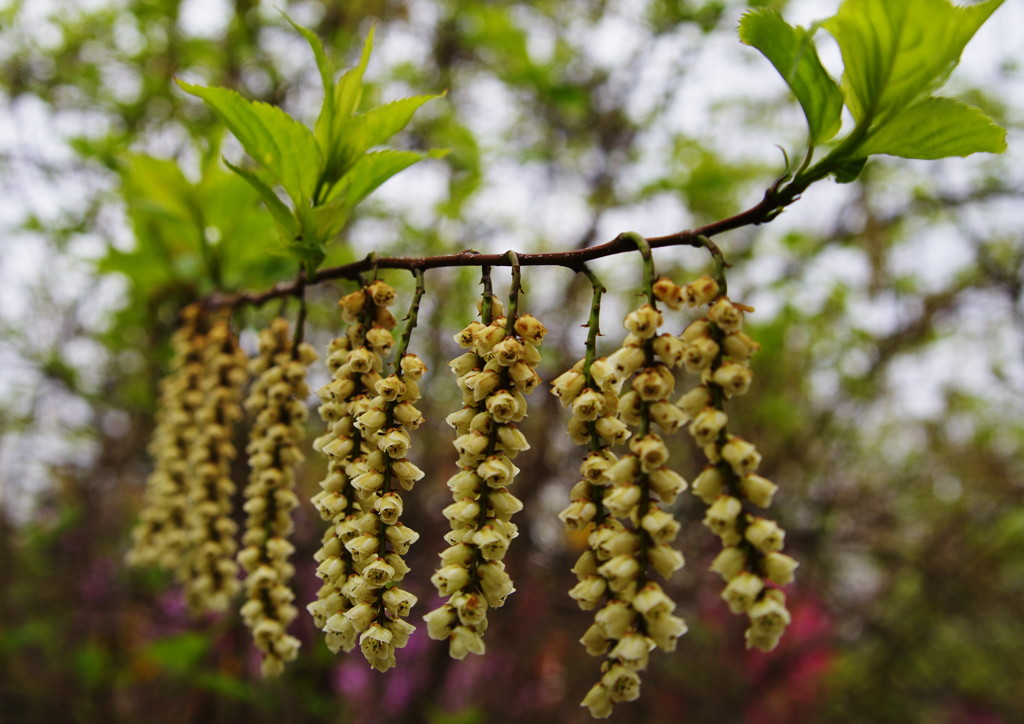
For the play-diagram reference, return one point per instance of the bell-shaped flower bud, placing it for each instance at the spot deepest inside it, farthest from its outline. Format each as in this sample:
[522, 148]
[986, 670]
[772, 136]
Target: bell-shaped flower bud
[726, 316]
[741, 592]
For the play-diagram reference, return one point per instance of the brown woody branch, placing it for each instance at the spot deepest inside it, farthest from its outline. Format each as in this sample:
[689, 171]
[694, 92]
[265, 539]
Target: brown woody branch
[767, 209]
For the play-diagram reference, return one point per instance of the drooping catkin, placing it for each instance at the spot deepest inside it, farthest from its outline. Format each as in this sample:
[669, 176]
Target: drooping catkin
[160, 536]
[210, 572]
[751, 561]
[277, 406]
[494, 375]
[369, 418]
[623, 496]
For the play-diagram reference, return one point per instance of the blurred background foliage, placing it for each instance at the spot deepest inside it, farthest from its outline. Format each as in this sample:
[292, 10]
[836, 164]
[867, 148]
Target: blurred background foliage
[887, 399]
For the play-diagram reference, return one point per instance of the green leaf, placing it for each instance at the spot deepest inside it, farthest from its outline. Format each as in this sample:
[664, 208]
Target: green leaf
[286, 222]
[345, 97]
[373, 128]
[160, 185]
[372, 170]
[278, 142]
[323, 64]
[792, 52]
[330, 218]
[847, 171]
[896, 53]
[936, 128]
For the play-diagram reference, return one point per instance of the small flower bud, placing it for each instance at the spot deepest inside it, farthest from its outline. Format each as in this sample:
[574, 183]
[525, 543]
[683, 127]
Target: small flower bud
[667, 416]
[530, 329]
[622, 683]
[494, 582]
[721, 518]
[512, 439]
[706, 427]
[694, 401]
[620, 571]
[612, 430]
[621, 500]
[632, 650]
[666, 484]
[765, 535]
[471, 609]
[709, 484]
[609, 540]
[508, 351]
[486, 337]
[605, 376]
[450, 579]
[503, 503]
[615, 619]
[741, 592]
[588, 592]
[497, 471]
[578, 514]
[382, 293]
[758, 490]
[440, 622]
[624, 361]
[700, 292]
[595, 640]
[463, 511]
[652, 602]
[734, 378]
[726, 315]
[398, 602]
[389, 508]
[380, 340]
[699, 354]
[739, 346]
[779, 568]
[669, 292]
[769, 617]
[594, 466]
[401, 537]
[524, 377]
[654, 383]
[741, 455]
[589, 405]
[644, 321]
[568, 385]
[650, 450]
[492, 544]
[352, 305]
[661, 525]
[665, 560]
[502, 407]
[665, 630]
[729, 563]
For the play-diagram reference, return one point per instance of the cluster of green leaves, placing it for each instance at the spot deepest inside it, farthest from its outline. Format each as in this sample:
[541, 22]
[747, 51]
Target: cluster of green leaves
[895, 55]
[324, 172]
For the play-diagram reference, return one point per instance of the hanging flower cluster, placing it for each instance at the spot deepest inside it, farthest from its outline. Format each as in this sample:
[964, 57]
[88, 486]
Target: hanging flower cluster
[620, 499]
[751, 561]
[212, 574]
[369, 418]
[186, 525]
[161, 535]
[277, 405]
[621, 411]
[494, 375]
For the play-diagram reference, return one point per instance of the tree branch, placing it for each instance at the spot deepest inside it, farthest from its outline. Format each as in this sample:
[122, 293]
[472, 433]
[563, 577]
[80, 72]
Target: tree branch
[767, 209]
